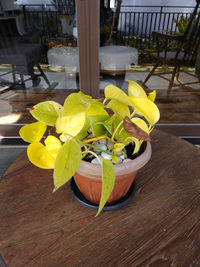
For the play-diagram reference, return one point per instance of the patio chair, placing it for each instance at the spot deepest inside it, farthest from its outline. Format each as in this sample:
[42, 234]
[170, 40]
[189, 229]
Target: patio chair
[21, 53]
[188, 45]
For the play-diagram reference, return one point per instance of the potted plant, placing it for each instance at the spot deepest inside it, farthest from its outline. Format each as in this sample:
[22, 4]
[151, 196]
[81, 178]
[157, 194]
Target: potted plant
[85, 127]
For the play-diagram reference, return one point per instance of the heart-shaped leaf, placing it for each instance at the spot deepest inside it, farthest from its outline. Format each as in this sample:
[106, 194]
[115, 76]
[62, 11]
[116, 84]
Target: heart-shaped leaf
[46, 112]
[67, 162]
[74, 104]
[71, 124]
[52, 145]
[44, 156]
[33, 132]
[39, 156]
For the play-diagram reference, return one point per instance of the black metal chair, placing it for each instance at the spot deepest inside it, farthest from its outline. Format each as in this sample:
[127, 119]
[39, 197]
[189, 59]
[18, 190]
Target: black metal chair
[188, 47]
[21, 53]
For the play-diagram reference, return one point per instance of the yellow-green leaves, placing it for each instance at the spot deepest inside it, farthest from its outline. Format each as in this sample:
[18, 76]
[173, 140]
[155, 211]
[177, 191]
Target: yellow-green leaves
[43, 156]
[39, 156]
[71, 124]
[74, 104]
[78, 102]
[147, 108]
[80, 122]
[96, 109]
[46, 112]
[109, 123]
[142, 103]
[67, 162]
[95, 114]
[113, 92]
[137, 145]
[53, 144]
[134, 89]
[119, 108]
[141, 123]
[118, 147]
[108, 182]
[33, 132]
[152, 96]
[79, 115]
[137, 99]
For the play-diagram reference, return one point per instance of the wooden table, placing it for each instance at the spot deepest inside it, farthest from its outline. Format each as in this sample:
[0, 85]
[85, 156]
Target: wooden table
[159, 227]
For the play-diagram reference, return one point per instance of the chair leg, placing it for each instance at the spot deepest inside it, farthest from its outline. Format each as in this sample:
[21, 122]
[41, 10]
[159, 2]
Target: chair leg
[35, 80]
[177, 73]
[14, 74]
[77, 81]
[43, 74]
[22, 81]
[171, 81]
[150, 73]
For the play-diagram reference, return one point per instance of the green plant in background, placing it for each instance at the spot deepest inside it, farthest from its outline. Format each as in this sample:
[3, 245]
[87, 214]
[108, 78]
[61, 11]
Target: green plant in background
[182, 23]
[83, 120]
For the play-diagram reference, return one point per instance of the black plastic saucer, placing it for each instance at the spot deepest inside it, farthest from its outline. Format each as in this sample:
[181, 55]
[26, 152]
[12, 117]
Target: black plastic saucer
[82, 200]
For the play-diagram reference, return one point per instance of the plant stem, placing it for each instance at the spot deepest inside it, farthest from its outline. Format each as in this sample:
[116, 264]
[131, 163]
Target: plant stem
[133, 113]
[105, 151]
[96, 138]
[94, 154]
[104, 101]
[112, 138]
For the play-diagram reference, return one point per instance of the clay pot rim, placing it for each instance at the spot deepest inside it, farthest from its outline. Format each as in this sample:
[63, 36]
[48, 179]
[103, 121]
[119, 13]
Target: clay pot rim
[92, 170]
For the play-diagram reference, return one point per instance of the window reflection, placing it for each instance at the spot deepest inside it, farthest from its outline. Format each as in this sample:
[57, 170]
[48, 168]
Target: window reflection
[115, 56]
[32, 34]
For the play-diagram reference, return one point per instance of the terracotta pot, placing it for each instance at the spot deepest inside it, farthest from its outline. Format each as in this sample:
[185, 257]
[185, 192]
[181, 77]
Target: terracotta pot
[89, 181]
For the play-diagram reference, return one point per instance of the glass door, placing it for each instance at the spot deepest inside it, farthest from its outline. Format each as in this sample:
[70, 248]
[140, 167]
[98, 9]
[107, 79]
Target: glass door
[39, 58]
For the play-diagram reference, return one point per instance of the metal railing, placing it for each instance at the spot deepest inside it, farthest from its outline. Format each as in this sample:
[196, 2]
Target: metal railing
[45, 20]
[138, 23]
[46, 17]
[135, 25]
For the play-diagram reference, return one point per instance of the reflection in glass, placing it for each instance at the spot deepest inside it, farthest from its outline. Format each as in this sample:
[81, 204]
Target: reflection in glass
[32, 32]
[115, 56]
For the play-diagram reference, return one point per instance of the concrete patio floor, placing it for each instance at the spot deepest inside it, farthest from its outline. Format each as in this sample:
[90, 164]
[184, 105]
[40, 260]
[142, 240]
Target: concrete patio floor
[69, 81]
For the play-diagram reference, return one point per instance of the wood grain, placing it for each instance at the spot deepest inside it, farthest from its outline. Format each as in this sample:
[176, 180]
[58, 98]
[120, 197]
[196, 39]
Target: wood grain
[182, 106]
[159, 227]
